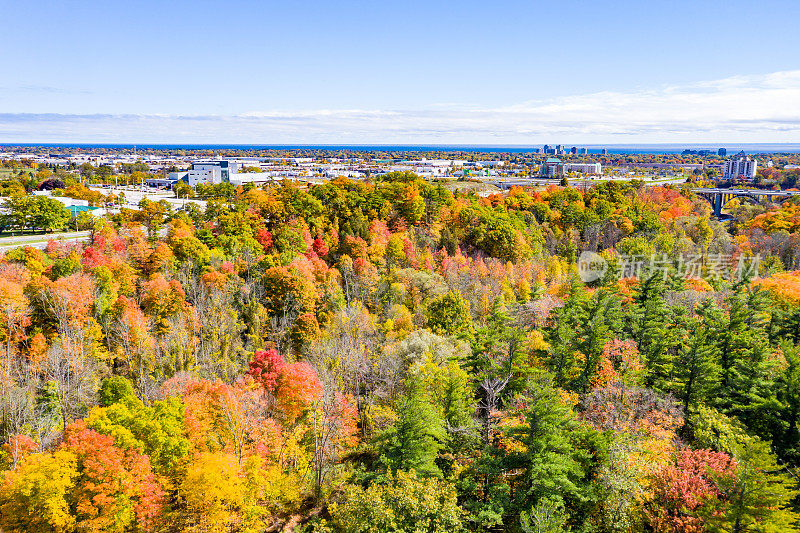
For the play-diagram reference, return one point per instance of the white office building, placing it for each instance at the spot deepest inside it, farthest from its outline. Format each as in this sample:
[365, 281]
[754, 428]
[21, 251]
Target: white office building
[593, 169]
[743, 167]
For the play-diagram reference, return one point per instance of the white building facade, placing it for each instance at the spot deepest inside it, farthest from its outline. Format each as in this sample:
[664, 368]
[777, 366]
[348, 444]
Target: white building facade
[743, 167]
[593, 169]
[553, 167]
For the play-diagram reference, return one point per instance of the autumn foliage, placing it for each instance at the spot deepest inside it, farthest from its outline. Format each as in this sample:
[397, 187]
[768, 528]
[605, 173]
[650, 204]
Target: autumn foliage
[398, 354]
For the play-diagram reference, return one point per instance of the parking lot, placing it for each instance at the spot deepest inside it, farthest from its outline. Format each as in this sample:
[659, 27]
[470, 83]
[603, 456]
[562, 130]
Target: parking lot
[134, 195]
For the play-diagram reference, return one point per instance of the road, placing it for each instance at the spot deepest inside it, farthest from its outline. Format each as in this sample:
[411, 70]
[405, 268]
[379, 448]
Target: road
[576, 183]
[40, 241]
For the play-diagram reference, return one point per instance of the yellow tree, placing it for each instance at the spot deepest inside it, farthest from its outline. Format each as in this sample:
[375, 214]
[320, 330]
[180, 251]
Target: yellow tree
[14, 307]
[34, 497]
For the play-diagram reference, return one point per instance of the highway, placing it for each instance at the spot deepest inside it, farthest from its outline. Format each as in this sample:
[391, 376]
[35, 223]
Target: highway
[576, 183]
[40, 241]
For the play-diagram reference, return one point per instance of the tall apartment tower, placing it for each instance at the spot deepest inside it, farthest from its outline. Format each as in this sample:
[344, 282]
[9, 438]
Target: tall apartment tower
[722, 151]
[743, 167]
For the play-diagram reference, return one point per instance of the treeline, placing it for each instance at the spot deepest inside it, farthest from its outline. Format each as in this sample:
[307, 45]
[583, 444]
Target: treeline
[393, 356]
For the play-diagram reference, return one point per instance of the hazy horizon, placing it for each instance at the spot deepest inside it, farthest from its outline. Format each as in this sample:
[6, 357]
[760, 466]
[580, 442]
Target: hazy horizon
[647, 148]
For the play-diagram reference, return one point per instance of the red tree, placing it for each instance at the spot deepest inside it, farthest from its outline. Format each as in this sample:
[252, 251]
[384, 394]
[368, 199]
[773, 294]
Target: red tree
[684, 488]
[115, 488]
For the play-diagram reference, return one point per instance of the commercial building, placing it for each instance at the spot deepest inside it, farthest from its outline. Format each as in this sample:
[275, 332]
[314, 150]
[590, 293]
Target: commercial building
[740, 168]
[551, 168]
[213, 171]
[593, 169]
[168, 182]
[554, 167]
[497, 163]
[722, 151]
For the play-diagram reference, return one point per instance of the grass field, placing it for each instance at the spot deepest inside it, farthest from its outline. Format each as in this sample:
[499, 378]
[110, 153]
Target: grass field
[465, 186]
[6, 173]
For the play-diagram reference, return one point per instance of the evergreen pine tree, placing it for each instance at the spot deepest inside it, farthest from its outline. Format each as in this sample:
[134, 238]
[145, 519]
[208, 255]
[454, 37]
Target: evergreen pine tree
[551, 471]
[759, 496]
[418, 435]
[563, 336]
[603, 322]
[696, 370]
[747, 389]
[787, 442]
[500, 348]
[651, 333]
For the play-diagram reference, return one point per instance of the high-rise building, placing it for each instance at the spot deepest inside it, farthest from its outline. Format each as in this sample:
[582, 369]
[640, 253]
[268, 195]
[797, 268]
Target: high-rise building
[742, 167]
[546, 148]
[722, 151]
[573, 150]
[559, 150]
[604, 151]
[584, 151]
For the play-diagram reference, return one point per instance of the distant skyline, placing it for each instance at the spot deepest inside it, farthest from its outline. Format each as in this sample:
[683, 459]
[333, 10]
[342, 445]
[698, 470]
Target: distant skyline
[414, 72]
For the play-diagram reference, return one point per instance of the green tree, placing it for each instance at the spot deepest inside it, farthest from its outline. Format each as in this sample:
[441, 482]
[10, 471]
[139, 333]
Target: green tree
[548, 459]
[545, 517]
[418, 435]
[747, 385]
[449, 315]
[651, 333]
[20, 211]
[152, 215]
[403, 503]
[157, 429]
[580, 330]
[696, 369]
[759, 497]
[49, 214]
[182, 190]
[787, 442]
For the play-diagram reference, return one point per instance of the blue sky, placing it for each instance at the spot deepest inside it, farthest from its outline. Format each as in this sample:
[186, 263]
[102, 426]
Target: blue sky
[406, 72]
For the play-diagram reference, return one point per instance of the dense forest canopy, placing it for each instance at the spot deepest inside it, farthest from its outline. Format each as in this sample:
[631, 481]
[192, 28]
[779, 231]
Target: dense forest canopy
[390, 355]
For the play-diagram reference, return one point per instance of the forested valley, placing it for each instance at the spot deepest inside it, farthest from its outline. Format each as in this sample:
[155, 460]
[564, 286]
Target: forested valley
[389, 355]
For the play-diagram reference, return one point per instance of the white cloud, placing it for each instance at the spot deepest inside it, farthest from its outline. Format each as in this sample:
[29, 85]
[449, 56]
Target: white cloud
[763, 108]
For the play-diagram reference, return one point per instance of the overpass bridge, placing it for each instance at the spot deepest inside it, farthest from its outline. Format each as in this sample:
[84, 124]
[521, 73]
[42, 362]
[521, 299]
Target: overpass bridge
[719, 197]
